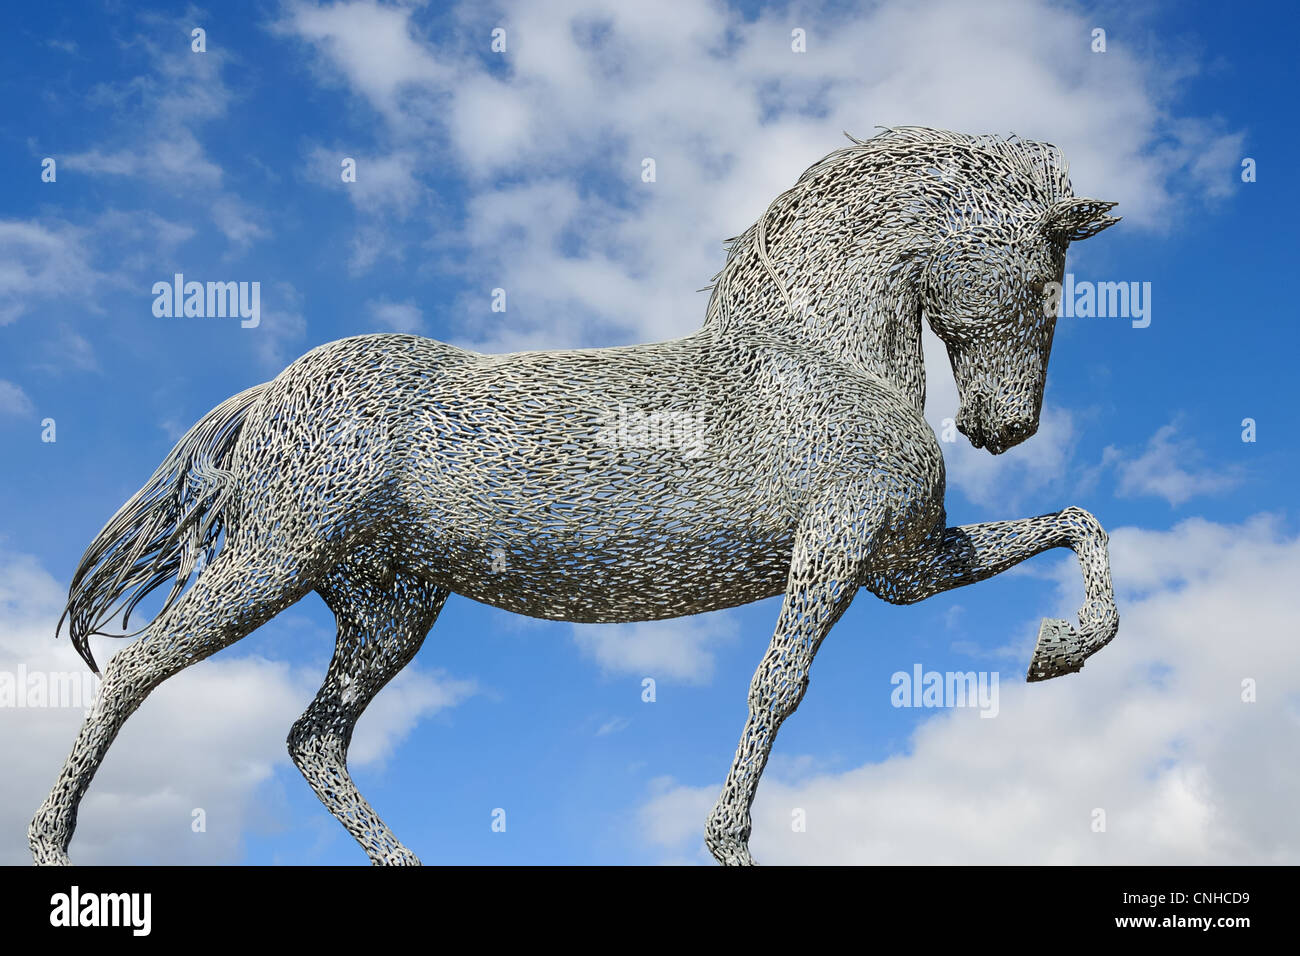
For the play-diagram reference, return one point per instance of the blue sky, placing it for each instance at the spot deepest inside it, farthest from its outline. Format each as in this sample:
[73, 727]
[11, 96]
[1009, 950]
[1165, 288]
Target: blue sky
[521, 170]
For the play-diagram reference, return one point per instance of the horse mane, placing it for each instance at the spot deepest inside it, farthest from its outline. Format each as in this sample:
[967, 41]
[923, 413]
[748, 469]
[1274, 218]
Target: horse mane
[1039, 166]
[1030, 173]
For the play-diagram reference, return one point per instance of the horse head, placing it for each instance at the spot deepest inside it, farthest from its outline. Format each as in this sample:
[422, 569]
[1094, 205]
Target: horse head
[988, 294]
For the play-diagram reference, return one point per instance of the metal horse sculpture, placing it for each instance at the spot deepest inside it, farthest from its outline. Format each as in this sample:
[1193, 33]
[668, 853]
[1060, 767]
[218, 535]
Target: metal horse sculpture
[387, 471]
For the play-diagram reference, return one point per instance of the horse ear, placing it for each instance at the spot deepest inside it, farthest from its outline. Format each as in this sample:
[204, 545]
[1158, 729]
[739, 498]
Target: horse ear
[1078, 218]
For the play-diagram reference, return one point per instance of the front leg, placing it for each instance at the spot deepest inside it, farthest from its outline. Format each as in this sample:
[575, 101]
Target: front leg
[823, 581]
[974, 552]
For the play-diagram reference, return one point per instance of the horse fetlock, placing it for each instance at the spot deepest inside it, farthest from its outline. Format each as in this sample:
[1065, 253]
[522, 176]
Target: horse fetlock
[730, 851]
[1098, 624]
[49, 855]
[728, 839]
[49, 845]
[397, 856]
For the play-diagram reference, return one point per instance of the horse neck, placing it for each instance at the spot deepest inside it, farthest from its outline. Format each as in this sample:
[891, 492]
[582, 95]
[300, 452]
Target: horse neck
[862, 311]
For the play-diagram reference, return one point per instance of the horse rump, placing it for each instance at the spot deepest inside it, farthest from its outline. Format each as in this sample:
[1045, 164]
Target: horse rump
[171, 525]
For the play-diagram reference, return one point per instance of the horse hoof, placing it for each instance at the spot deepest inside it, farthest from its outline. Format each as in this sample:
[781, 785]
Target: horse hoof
[398, 857]
[1059, 651]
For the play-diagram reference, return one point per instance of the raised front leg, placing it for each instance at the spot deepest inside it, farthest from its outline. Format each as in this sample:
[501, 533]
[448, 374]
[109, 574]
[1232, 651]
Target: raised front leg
[823, 581]
[974, 552]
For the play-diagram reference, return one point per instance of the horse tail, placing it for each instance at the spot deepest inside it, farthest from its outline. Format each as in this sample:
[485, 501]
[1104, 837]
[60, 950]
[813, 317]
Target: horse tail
[171, 526]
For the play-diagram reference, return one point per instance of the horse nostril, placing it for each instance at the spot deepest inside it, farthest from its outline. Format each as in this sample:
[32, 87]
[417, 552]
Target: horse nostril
[974, 434]
[1018, 431]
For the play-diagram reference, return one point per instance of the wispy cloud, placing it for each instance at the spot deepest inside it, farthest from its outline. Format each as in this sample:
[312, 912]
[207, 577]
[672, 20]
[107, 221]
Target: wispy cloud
[680, 649]
[159, 118]
[42, 261]
[396, 316]
[13, 400]
[1172, 468]
[282, 328]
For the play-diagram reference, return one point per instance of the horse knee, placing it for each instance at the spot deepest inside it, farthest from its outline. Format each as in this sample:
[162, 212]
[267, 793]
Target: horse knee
[313, 747]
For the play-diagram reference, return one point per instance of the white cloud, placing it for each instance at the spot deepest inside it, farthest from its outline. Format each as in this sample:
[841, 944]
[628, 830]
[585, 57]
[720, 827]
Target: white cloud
[160, 113]
[385, 185]
[13, 400]
[46, 260]
[211, 737]
[412, 695]
[159, 116]
[1154, 731]
[177, 161]
[373, 242]
[68, 352]
[138, 240]
[372, 45]
[282, 326]
[396, 316]
[42, 261]
[1167, 469]
[238, 223]
[677, 649]
[613, 726]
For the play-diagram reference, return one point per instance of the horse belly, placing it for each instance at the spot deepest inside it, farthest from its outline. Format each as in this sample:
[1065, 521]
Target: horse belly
[538, 499]
[610, 581]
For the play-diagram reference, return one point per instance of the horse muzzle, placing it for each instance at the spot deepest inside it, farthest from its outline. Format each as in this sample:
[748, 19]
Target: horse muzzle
[996, 439]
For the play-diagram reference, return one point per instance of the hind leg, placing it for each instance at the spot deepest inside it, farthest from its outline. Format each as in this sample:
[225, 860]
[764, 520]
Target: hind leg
[382, 621]
[231, 598]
